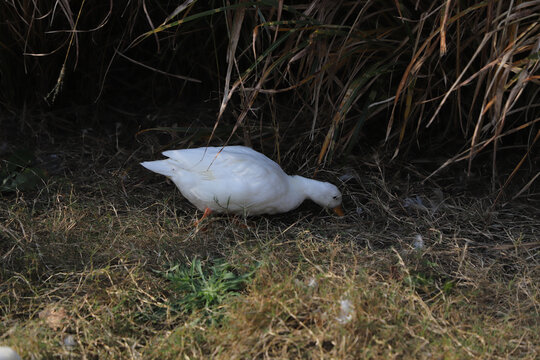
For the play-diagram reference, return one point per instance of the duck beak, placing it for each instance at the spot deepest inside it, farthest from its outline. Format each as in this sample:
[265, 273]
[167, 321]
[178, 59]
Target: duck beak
[339, 210]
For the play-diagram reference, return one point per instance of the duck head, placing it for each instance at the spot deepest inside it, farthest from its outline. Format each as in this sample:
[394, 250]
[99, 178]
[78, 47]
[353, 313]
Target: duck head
[323, 193]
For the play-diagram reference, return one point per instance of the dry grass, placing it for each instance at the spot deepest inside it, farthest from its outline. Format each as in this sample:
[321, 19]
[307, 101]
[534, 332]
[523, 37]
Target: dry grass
[81, 260]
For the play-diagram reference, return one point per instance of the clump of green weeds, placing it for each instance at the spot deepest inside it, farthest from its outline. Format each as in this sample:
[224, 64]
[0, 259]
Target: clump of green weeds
[200, 287]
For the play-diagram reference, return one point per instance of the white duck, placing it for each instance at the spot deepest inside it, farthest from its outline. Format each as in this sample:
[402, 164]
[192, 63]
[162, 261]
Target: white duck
[240, 180]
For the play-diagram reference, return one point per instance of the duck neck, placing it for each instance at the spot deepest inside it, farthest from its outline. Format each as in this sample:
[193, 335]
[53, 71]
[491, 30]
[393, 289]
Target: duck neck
[309, 188]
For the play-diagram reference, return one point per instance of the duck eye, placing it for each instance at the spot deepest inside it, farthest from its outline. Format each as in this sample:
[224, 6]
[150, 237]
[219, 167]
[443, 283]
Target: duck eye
[335, 197]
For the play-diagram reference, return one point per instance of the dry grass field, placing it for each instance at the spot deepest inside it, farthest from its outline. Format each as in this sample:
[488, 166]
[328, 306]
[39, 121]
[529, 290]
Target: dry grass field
[104, 262]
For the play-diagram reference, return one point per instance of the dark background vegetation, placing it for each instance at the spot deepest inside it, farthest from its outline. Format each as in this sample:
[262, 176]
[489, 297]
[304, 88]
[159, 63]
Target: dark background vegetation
[444, 82]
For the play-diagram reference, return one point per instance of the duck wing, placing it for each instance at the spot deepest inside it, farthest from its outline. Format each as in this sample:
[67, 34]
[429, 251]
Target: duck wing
[236, 179]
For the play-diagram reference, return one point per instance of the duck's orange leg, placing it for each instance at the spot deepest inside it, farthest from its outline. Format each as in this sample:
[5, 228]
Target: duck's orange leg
[236, 219]
[207, 213]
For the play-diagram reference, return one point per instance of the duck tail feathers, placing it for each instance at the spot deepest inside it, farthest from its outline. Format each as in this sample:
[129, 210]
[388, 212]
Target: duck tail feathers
[163, 167]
